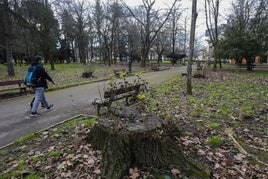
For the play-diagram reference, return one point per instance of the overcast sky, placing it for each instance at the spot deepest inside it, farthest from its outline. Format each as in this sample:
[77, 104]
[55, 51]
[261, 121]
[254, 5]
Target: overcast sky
[187, 5]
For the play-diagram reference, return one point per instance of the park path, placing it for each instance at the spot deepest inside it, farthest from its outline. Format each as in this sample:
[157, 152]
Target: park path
[16, 122]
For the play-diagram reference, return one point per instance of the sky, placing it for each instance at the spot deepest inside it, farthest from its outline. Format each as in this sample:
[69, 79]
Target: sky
[187, 5]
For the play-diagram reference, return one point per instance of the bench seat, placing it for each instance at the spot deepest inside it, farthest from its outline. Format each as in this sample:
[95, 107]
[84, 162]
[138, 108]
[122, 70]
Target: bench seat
[13, 85]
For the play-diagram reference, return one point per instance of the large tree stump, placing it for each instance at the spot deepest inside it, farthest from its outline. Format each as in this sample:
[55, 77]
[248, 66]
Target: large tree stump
[138, 139]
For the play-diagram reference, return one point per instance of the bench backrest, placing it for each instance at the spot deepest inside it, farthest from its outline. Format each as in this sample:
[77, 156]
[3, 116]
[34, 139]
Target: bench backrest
[119, 91]
[11, 82]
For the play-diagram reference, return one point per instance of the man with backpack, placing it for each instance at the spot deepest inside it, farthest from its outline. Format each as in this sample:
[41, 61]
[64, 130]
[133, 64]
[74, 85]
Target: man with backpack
[39, 83]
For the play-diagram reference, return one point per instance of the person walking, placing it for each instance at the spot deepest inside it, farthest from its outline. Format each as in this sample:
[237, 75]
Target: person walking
[41, 85]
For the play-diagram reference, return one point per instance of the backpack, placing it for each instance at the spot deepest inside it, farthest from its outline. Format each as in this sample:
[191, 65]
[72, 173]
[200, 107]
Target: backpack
[30, 78]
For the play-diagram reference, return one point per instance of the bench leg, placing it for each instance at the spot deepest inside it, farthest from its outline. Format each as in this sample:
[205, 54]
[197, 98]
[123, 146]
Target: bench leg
[23, 91]
[98, 110]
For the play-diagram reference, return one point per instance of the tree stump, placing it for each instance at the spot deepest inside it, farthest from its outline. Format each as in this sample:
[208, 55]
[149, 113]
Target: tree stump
[143, 140]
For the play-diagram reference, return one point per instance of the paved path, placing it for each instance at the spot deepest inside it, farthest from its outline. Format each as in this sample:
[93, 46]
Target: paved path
[16, 122]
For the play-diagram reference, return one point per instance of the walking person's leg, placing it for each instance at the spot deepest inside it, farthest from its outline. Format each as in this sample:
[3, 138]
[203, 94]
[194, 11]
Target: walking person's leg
[45, 103]
[39, 93]
[42, 104]
[31, 104]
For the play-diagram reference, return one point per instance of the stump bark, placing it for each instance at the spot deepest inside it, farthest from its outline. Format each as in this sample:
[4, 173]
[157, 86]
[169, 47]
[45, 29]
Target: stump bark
[142, 140]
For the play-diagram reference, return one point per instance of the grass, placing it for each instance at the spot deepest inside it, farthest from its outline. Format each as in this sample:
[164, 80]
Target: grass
[64, 75]
[25, 138]
[239, 98]
[213, 125]
[215, 141]
[54, 154]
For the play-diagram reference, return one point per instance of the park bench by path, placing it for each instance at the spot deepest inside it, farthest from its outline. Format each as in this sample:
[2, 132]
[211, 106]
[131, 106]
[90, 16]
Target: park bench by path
[13, 85]
[129, 92]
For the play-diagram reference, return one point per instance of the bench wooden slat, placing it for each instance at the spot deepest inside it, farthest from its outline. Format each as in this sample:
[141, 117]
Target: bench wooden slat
[107, 94]
[13, 88]
[117, 97]
[11, 85]
[11, 82]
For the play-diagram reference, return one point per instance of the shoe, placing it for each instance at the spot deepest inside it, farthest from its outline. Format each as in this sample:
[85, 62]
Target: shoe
[33, 114]
[50, 107]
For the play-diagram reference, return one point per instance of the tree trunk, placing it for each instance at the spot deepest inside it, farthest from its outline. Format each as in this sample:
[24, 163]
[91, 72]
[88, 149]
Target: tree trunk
[192, 38]
[250, 62]
[143, 141]
[8, 39]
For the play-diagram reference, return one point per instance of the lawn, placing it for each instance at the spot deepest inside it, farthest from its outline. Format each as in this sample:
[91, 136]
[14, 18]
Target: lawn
[64, 75]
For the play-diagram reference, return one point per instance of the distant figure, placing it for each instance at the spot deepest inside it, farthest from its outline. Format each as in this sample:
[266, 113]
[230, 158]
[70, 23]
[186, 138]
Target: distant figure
[129, 63]
[40, 86]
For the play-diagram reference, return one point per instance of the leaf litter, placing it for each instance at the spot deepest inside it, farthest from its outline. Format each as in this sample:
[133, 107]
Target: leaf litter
[237, 102]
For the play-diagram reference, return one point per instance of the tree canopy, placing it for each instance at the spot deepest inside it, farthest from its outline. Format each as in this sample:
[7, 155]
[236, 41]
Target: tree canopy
[69, 30]
[246, 33]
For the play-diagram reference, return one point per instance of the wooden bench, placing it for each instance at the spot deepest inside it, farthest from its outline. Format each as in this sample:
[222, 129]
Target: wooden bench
[13, 85]
[130, 93]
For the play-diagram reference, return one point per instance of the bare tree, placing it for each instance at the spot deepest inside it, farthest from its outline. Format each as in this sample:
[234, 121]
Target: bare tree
[175, 16]
[133, 36]
[92, 37]
[212, 17]
[185, 34]
[161, 44]
[98, 18]
[68, 27]
[178, 35]
[192, 40]
[151, 22]
[80, 9]
[74, 17]
[113, 16]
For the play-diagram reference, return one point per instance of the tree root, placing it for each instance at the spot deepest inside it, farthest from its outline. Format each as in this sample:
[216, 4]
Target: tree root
[229, 132]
